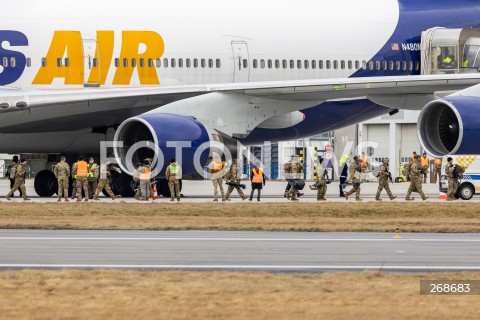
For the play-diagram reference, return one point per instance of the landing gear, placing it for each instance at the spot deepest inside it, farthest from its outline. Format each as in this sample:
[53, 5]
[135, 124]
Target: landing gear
[45, 183]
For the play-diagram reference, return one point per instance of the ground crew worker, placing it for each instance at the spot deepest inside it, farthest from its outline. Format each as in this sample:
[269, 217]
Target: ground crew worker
[437, 164]
[288, 174]
[11, 173]
[216, 170]
[414, 155]
[174, 174]
[233, 176]
[295, 178]
[92, 177]
[62, 173]
[20, 171]
[258, 181]
[425, 163]
[145, 174]
[415, 180]
[80, 173]
[104, 182]
[452, 180]
[383, 176]
[354, 178]
[343, 169]
[321, 181]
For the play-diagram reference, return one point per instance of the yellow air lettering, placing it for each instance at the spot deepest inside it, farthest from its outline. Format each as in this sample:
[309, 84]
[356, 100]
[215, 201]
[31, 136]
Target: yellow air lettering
[131, 41]
[104, 54]
[64, 44]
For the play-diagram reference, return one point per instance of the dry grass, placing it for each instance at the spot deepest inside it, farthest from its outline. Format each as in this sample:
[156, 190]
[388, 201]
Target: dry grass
[226, 295]
[411, 217]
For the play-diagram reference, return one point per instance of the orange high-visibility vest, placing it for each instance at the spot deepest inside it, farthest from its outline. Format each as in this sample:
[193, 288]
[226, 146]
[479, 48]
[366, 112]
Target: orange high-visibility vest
[257, 176]
[438, 161]
[364, 161]
[217, 166]
[147, 175]
[424, 161]
[82, 169]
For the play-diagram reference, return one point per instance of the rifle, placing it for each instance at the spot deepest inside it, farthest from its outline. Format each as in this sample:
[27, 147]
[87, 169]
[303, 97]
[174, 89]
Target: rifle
[390, 176]
[235, 184]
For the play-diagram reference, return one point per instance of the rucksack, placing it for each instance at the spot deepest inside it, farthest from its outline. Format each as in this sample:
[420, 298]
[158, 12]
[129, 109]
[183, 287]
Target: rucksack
[13, 171]
[406, 169]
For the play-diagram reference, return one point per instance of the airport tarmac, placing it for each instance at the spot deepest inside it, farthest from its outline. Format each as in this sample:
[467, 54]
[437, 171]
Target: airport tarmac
[202, 191]
[240, 251]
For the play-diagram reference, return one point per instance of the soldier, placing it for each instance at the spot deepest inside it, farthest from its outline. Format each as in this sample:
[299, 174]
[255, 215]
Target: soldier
[80, 173]
[452, 180]
[92, 178]
[343, 170]
[354, 178]
[383, 176]
[62, 173]
[232, 176]
[215, 168]
[174, 174]
[19, 180]
[295, 177]
[11, 173]
[145, 174]
[287, 172]
[104, 182]
[415, 180]
[321, 182]
[437, 170]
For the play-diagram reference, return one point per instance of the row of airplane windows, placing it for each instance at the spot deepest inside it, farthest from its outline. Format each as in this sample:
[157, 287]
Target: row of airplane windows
[262, 63]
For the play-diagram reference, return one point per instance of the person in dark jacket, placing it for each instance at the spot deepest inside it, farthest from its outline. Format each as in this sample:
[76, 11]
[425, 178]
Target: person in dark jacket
[258, 181]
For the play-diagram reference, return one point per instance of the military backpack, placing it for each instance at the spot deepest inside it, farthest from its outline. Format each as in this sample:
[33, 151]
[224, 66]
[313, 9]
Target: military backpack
[406, 169]
[13, 171]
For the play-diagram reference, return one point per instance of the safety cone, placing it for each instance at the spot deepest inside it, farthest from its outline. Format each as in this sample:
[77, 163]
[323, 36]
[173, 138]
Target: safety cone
[397, 234]
[442, 196]
[155, 194]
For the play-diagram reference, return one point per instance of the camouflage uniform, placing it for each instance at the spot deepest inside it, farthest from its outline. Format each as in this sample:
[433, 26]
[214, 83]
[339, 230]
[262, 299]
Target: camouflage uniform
[452, 181]
[62, 173]
[232, 176]
[383, 176]
[354, 177]
[437, 170]
[92, 178]
[11, 176]
[104, 183]
[80, 183]
[415, 181]
[216, 176]
[295, 174]
[19, 182]
[321, 183]
[144, 184]
[74, 181]
[173, 179]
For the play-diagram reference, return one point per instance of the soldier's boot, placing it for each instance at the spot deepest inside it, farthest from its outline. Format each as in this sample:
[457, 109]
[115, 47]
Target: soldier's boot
[299, 194]
[86, 199]
[59, 199]
[409, 198]
[285, 194]
[450, 198]
[172, 199]
[8, 198]
[223, 198]
[178, 198]
[425, 197]
[358, 199]
[393, 197]
[26, 199]
[96, 199]
[215, 199]
[378, 199]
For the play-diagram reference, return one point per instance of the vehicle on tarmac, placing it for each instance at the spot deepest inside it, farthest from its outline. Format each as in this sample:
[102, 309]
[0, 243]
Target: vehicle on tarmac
[469, 184]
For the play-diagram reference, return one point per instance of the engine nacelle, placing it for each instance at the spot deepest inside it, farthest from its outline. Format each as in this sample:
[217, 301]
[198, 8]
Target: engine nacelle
[450, 126]
[169, 133]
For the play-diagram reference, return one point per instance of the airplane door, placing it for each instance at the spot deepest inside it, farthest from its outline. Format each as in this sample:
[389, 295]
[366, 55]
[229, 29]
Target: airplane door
[89, 62]
[241, 61]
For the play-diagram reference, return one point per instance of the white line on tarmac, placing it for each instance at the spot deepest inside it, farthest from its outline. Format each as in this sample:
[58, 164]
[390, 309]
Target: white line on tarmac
[259, 267]
[235, 239]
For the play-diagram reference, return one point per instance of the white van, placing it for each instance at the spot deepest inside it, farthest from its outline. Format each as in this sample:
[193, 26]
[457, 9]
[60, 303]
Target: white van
[469, 185]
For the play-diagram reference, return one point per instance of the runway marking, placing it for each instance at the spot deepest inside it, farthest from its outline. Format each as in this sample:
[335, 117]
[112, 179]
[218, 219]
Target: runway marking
[240, 267]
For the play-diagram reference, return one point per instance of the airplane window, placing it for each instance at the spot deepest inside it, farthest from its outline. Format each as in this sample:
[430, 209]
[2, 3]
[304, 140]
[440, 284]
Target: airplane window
[306, 64]
[314, 64]
[292, 64]
[255, 63]
[377, 65]
[262, 63]
[195, 63]
[404, 65]
[284, 64]
[329, 64]
[141, 62]
[29, 62]
[370, 65]
[188, 63]
[134, 62]
[364, 65]
[218, 63]
[165, 63]
[350, 64]
[335, 64]
[410, 65]
[13, 62]
[390, 65]
[210, 63]
[95, 62]
[269, 63]
[245, 63]
[384, 65]
[299, 64]
[357, 64]
[158, 62]
[342, 64]
[277, 63]
[117, 62]
[320, 64]
[150, 62]
[417, 66]
[173, 63]
[44, 62]
[397, 65]
[125, 62]
[203, 63]
[5, 62]
[180, 63]
[59, 62]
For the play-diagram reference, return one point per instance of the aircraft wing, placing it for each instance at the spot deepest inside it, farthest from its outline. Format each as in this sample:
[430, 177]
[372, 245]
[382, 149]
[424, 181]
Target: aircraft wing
[62, 110]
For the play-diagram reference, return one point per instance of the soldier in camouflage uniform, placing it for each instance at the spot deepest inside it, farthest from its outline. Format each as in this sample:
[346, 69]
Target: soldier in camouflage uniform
[415, 180]
[232, 176]
[452, 180]
[19, 180]
[354, 178]
[11, 173]
[383, 176]
[174, 174]
[294, 174]
[216, 170]
[321, 182]
[92, 178]
[62, 173]
[104, 182]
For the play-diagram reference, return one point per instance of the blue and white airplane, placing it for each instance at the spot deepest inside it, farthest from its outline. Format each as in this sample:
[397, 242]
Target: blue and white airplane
[73, 74]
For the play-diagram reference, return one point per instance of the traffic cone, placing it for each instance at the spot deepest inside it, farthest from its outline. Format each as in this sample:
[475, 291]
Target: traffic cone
[442, 196]
[155, 194]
